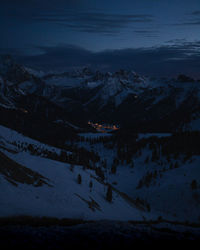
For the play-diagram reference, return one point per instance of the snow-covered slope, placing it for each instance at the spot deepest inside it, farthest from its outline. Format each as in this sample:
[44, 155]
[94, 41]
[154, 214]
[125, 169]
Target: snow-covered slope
[62, 196]
[170, 194]
[66, 198]
[171, 186]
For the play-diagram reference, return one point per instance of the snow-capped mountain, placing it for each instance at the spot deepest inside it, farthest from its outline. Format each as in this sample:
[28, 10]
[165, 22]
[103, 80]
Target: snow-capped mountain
[104, 86]
[128, 99]
[16, 80]
[23, 99]
[123, 97]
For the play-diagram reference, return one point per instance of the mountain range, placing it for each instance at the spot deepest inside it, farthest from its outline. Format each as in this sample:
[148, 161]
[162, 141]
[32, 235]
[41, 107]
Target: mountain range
[124, 98]
[94, 145]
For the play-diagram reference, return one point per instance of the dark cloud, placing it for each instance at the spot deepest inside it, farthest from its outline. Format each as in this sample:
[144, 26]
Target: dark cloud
[177, 41]
[147, 33]
[194, 19]
[95, 22]
[98, 24]
[192, 22]
[196, 13]
[27, 9]
[37, 3]
[59, 57]
[168, 60]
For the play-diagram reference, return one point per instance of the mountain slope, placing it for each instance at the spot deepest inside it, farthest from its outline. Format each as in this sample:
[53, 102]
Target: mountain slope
[16, 173]
[123, 97]
[161, 170]
[130, 100]
[51, 187]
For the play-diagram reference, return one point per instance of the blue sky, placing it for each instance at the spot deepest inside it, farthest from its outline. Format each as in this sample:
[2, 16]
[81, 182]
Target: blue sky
[34, 28]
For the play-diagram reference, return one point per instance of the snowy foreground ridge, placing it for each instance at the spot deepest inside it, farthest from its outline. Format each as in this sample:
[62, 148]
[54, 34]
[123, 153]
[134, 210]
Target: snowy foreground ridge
[52, 188]
[61, 196]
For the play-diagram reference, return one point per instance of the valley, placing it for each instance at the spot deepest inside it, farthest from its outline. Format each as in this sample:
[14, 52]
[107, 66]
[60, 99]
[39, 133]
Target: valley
[114, 147]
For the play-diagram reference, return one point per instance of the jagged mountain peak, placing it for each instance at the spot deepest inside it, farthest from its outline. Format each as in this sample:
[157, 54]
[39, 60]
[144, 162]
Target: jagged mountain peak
[120, 95]
[6, 60]
[12, 71]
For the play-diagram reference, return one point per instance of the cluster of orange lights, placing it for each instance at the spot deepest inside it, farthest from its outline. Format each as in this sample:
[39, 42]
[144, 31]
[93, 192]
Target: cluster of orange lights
[23, 110]
[103, 127]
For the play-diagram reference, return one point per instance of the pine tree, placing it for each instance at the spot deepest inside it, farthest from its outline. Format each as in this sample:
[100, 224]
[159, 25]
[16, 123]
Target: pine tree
[100, 173]
[155, 156]
[79, 180]
[71, 167]
[155, 174]
[193, 185]
[90, 185]
[30, 147]
[104, 164]
[132, 164]
[176, 165]
[113, 168]
[146, 160]
[109, 194]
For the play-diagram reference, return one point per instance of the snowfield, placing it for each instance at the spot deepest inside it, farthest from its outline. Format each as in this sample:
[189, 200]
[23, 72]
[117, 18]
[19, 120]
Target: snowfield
[64, 197]
[94, 135]
[147, 135]
[169, 195]
[9, 136]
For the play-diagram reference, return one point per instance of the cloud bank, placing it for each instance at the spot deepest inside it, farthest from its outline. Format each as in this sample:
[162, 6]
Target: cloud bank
[171, 59]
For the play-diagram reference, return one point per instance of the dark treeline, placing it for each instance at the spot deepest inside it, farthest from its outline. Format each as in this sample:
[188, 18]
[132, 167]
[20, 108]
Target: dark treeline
[71, 154]
[167, 152]
[37, 127]
[178, 144]
[99, 139]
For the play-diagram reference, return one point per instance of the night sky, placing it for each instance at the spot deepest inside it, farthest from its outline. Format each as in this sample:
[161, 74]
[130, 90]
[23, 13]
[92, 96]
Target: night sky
[154, 37]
